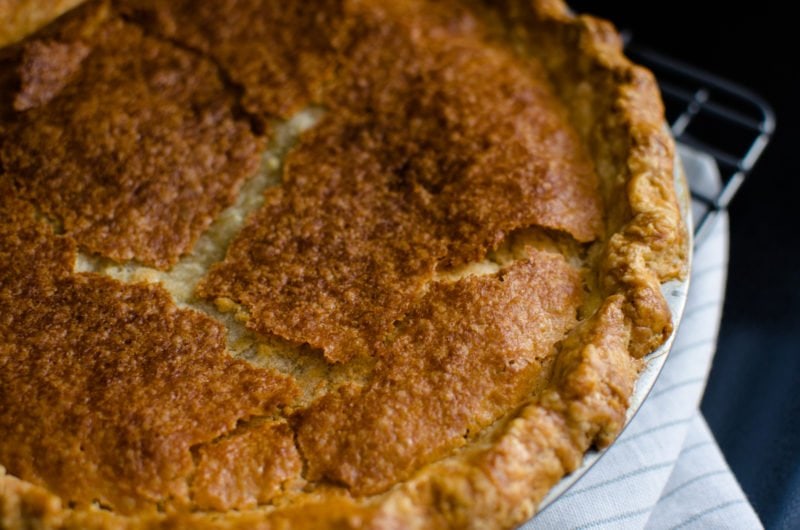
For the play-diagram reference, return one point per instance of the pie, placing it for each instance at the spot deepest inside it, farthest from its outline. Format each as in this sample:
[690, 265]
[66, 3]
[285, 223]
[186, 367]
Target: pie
[341, 263]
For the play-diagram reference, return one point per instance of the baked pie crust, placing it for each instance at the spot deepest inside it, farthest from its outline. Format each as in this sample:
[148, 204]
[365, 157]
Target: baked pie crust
[419, 309]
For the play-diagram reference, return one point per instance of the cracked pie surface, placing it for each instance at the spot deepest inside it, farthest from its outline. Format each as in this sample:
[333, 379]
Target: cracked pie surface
[329, 264]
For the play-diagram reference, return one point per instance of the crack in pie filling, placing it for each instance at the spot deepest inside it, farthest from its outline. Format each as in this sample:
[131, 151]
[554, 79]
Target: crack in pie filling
[342, 263]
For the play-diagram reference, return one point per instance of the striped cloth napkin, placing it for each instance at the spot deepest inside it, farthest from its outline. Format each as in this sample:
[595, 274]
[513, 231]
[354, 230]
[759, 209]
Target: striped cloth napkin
[666, 470]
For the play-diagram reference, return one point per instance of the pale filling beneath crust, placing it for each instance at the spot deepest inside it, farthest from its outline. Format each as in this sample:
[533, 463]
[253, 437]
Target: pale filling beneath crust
[180, 281]
[313, 373]
[515, 248]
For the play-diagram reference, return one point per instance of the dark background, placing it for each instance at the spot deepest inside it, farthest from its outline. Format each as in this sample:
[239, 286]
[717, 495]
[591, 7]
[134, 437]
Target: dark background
[752, 402]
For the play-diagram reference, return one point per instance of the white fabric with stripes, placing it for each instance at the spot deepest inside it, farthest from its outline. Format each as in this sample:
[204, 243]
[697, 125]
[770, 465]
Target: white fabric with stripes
[666, 471]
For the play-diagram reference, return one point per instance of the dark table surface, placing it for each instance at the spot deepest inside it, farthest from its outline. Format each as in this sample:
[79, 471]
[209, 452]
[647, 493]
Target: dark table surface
[752, 402]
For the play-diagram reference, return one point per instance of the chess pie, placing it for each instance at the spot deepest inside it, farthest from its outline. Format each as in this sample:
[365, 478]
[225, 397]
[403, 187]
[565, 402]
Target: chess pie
[324, 264]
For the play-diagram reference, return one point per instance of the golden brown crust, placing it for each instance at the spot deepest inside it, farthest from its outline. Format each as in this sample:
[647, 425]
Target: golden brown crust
[19, 18]
[527, 423]
[248, 467]
[438, 388]
[435, 149]
[99, 397]
[617, 110]
[97, 105]
[279, 54]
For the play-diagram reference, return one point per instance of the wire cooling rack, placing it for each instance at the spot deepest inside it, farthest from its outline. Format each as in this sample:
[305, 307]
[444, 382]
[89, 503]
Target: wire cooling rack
[715, 116]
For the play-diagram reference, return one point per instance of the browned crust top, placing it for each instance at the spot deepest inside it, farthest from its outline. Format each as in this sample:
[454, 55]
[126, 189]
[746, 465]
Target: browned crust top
[433, 389]
[19, 18]
[435, 149]
[110, 122]
[451, 129]
[99, 382]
